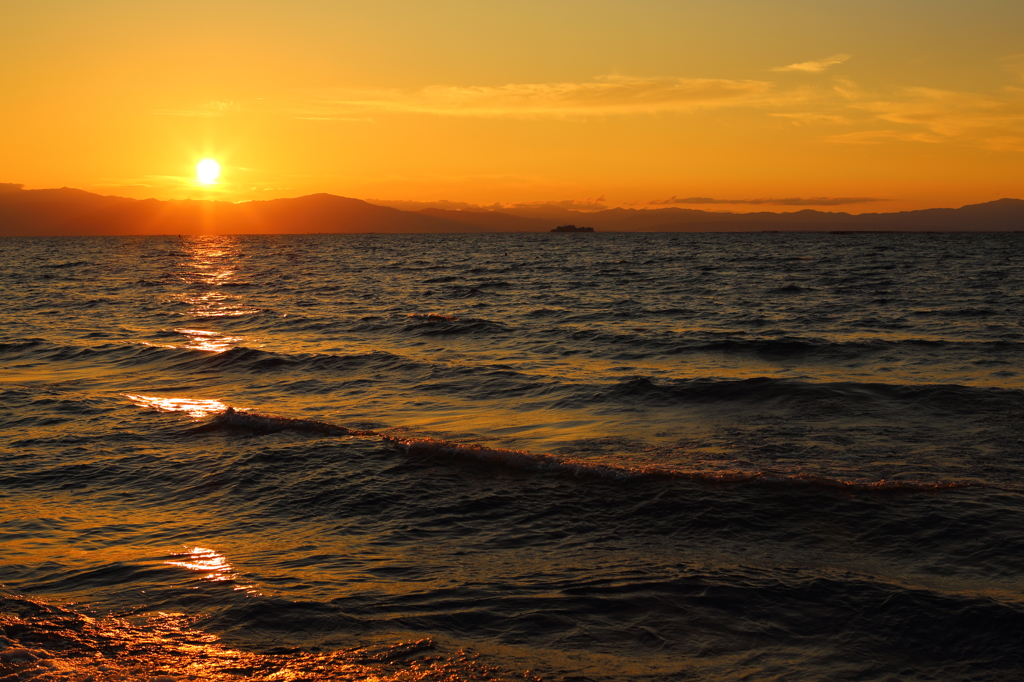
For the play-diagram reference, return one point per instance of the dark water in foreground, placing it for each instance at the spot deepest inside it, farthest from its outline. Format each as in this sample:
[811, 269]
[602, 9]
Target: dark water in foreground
[614, 457]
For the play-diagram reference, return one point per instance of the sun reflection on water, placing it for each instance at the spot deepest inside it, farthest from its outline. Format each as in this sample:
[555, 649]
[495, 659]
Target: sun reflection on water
[211, 259]
[211, 270]
[213, 566]
[203, 339]
[211, 563]
[213, 304]
[197, 408]
[47, 643]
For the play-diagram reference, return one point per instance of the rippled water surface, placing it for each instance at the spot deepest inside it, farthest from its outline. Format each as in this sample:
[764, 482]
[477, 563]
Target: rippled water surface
[605, 456]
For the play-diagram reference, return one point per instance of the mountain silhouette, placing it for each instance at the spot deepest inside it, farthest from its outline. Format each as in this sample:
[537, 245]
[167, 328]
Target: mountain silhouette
[69, 212]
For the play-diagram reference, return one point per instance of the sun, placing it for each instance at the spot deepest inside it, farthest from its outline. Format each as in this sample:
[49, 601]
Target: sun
[207, 171]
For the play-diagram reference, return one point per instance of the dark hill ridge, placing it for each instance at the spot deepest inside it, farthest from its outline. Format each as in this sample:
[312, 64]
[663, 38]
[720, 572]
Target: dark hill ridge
[67, 212]
[490, 221]
[1001, 215]
[74, 212]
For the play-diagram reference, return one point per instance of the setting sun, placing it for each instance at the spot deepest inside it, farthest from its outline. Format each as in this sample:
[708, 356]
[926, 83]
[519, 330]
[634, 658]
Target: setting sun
[207, 171]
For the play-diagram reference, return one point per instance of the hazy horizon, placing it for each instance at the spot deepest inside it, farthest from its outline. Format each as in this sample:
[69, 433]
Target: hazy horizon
[851, 205]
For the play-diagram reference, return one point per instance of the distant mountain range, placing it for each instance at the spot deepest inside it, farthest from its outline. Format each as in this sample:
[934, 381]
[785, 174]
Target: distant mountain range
[67, 212]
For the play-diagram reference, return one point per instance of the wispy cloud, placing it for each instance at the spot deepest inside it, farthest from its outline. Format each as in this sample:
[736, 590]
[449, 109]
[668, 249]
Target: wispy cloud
[351, 119]
[811, 117]
[934, 116]
[165, 183]
[1014, 62]
[220, 107]
[887, 135]
[791, 201]
[411, 205]
[914, 114]
[815, 67]
[603, 96]
[590, 204]
[606, 95]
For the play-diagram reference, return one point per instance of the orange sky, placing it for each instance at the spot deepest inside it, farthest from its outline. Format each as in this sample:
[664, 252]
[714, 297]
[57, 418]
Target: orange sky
[868, 106]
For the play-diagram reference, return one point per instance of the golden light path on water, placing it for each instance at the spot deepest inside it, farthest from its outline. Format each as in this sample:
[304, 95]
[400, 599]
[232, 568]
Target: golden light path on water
[213, 305]
[197, 408]
[212, 564]
[201, 339]
[211, 263]
[47, 643]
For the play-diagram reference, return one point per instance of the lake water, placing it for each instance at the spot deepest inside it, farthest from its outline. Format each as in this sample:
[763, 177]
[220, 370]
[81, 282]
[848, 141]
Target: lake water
[521, 456]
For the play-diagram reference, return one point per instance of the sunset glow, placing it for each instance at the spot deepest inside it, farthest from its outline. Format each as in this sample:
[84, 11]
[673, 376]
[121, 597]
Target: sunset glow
[860, 107]
[403, 341]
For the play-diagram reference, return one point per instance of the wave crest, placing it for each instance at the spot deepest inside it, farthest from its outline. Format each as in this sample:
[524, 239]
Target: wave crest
[266, 423]
[527, 461]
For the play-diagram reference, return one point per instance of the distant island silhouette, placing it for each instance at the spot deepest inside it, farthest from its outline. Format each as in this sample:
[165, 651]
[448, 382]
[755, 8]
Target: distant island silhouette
[572, 228]
[70, 212]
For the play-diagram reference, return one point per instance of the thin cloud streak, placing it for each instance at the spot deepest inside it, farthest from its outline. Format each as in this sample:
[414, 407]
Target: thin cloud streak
[801, 118]
[815, 67]
[1014, 62]
[936, 116]
[912, 114]
[887, 135]
[791, 201]
[605, 96]
[920, 115]
[953, 114]
[209, 109]
[589, 204]
[412, 205]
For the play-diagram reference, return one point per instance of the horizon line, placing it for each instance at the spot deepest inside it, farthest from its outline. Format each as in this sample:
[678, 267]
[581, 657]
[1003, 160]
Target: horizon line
[798, 205]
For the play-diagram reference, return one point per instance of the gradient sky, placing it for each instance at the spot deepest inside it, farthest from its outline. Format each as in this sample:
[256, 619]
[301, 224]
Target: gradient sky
[866, 106]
